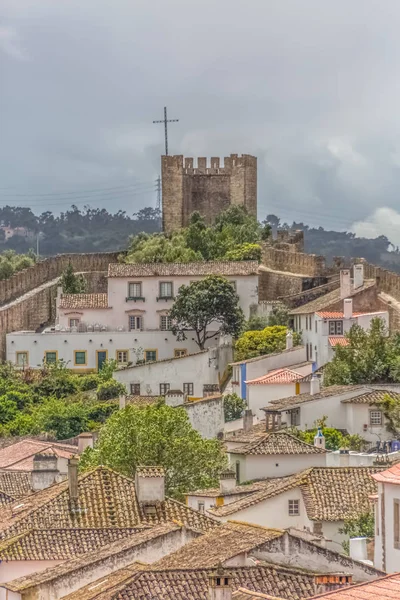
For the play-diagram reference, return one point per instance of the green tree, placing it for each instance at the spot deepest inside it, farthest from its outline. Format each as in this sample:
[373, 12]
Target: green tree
[108, 390]
[362, 526]
[234, 406]
[72, 283]
[268, 340]
[63, 419]
[371, 356]
[158, 435]
[244, 252]
[210, 302]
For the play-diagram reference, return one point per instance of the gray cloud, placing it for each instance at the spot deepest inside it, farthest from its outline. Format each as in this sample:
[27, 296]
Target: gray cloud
[310, 87]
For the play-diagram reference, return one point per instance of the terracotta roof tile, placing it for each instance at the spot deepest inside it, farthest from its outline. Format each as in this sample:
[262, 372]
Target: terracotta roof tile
[325, 301]
[391, 475]
[106, 499]
[372, 397]
[142, 400]
[84, 301]
[333, 390]
[244, 437]
[20, 455]
[244, 594]
[153, 471]
[219, 545]
[238, 490]
[329, 493]
[15, 483]
[278, 442]
[338, 341]
[245, 267]
[277, 376]
[385, 588]
[106, 587]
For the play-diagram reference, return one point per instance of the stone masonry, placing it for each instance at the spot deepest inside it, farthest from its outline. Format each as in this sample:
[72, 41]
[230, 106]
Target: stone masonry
[206, 189]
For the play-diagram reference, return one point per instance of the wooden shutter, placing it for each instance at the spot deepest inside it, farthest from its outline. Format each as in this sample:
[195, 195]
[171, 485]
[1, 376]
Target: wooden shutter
[396, 523]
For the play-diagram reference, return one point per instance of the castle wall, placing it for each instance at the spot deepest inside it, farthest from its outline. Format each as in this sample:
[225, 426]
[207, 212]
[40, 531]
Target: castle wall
[272, 286]
[293, 262]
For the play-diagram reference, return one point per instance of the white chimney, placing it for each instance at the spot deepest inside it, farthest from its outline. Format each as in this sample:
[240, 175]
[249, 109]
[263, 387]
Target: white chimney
[315, 385]
[220, 585]
[358, 275]
[85, 440]
[247, 420]
[344, 458]
[174, 398]
[358, 549]
[345, 284]
[45, 471]
[150, 484]
[227, 481]
[122, 402]
[348, 308]
[319, 440]
[73, 477]
[289, 340]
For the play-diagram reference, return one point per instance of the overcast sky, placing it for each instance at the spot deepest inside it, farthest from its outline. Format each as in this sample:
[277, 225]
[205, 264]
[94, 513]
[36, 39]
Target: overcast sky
[311, 87]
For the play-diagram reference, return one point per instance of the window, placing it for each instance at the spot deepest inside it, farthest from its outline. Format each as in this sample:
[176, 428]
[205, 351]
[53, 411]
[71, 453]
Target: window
[50, 357]
[166, 289]
[22, 359]
[237, 471]
[396, 524]
[135, 323]
[316, 326]
[164, 388]
[295, 417]
[165, 323]
[80, 357]
[188, 389]
[135, 389]
[73, 322]
[122, 356]
[310, 352]
[375, 417]
[294, 508]
[180, 352]
[150, 355]
[335, 327]
[200, 506]
[135, 290]
[377, 517]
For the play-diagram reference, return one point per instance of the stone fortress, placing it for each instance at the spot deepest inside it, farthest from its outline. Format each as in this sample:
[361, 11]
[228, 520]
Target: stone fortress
[206, 189]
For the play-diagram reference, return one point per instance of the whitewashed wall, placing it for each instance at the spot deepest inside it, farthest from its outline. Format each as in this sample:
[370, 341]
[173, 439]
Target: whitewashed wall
[280, 465]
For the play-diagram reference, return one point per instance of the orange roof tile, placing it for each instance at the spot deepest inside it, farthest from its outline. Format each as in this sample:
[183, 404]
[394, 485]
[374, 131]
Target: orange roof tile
[338, 340]
[391, 475]
[84, 301]
[201, 268]
[277, 376]
[19, 456]
[337, 314]
[385, 588]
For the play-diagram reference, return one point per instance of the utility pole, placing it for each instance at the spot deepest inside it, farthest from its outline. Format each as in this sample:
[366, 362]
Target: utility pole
[158, 188]
[165, 120]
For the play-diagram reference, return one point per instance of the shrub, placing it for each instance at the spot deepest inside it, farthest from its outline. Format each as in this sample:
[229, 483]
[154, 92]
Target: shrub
[110, 389]
[234, 406]
[88, 382]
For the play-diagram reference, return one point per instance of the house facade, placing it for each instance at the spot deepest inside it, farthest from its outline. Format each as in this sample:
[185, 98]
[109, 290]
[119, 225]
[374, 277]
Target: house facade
[387, 519]
[130, 322]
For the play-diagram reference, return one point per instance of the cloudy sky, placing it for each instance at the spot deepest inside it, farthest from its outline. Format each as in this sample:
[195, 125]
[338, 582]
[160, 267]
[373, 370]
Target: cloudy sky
[311, 87]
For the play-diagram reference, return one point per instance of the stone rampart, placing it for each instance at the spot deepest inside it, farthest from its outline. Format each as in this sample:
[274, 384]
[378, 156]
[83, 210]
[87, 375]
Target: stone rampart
[293, 262]
[51, 268]
[387, 281]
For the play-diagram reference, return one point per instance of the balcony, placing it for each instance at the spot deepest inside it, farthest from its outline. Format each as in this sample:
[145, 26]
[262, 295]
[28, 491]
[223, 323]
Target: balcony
[165, 298]
[135, 299]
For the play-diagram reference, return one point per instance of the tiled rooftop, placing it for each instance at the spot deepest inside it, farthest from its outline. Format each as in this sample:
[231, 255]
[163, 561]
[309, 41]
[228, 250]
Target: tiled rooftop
[391, 475]
[278, 442]
[245, 267]
[329, 493]
[338, 340]
[15, 483]
[60, 544]
[219, 545]
[277, 376]
[238, 490]
[325, 301]
[84, 301]
[333, 390]
[244, 437]
[106, 499]
[385, 588]
[143, 471]
[372, 397]
[20, 455]
[244, 594]
[193, 584]
[106, 587]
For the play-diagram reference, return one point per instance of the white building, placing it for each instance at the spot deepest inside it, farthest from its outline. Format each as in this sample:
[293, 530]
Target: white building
[324, 322]
[130, 322]
[354, 408]
[387, 520]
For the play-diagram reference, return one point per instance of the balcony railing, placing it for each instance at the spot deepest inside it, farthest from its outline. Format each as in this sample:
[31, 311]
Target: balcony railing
[135, 299]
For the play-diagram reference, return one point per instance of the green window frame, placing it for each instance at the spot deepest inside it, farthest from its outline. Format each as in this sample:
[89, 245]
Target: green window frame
[80, 357]
[50, 357]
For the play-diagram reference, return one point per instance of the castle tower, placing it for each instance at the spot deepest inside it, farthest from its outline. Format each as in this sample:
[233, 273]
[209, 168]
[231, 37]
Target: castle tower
[206, 189]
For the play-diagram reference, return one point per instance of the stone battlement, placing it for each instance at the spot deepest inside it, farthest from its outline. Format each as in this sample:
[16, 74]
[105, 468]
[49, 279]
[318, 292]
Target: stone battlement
[209, 166]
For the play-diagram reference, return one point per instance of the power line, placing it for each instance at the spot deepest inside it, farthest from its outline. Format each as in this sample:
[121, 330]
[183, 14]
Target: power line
[133, 185]
[76, 199]
[80, 203]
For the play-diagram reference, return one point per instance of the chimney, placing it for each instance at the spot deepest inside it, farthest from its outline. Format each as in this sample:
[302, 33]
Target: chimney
[289, 340]
[85, 440]
[150, 485]
[174, 398]
[331, 581]
[319, 440]
[227, 481]
[358, 275]
[45, 471]
[348, 308]
[358, 548]
[345, 285]
[220, 584]
[122, 401]
[315, 385]
[247, 420]
[344, 458]
[73, 477]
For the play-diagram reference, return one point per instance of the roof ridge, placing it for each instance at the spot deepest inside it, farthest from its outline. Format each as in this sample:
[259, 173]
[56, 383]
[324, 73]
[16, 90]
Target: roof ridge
[357, 585]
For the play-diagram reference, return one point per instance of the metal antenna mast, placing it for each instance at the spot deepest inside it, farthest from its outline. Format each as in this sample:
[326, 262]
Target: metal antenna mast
[166, 121]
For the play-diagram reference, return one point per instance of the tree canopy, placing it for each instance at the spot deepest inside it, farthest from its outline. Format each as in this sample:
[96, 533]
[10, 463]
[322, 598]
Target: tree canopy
[11, 262]
[158, 435]
[207, 307]
[72, 283]
[371, 356]
[265, 341]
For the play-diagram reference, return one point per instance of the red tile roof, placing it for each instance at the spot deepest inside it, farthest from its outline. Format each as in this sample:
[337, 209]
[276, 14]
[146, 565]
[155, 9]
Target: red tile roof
[391, 475]
[201, 268]
[338, 340]
[385, 588]
[278, 376]
[84, 301]
[19, 456]
[337, 314]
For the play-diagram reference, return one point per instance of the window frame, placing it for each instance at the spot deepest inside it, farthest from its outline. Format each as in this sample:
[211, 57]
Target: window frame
[76, 364]
[17, 354]
[150, 350]
[166, 387]
[294, 508]
[50, 352]
[396, 524]
[166, 297]
[133, 393]
[135, 296]
[237, 471]
[188, 392]
[122, 362]
[74, 319]
[167, 320]
[201, 506]
[375, 412]
[140, 317]
[295, 416]
[179, 352]
[337, 325]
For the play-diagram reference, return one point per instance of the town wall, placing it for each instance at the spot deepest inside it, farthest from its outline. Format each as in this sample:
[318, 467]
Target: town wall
[272, 286]
[207, 189]
[293, 262]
